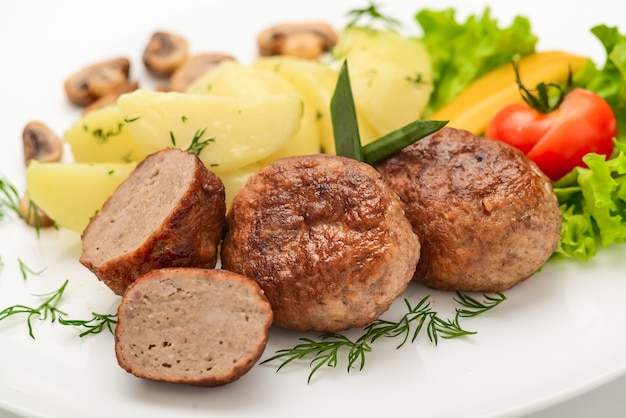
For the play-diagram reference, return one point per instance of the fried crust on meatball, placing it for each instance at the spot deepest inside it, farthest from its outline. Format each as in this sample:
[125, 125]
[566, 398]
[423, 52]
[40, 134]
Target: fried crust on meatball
[325, 238]
[170, 212]
[486, 216]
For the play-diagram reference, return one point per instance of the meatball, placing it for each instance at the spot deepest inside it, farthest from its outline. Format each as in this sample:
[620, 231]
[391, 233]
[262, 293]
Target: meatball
[325, 238]
[486, 216]
[170, 212]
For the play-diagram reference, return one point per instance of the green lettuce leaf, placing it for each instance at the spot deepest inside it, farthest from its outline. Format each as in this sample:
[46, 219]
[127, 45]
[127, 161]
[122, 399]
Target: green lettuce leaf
[593, 199]
[464, 51]
[593, 204]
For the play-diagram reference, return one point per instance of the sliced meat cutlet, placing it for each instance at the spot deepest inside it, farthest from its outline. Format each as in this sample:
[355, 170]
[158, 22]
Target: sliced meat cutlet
[325, 238]
[200, 327]
[170, 212]
[486, 216]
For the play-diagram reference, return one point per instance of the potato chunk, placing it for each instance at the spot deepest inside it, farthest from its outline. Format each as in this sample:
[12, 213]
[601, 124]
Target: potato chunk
[231, 79]
[390, 75]
[316, 82]
[102, 136]
[234, 179]
[239, 130]
[72, 193]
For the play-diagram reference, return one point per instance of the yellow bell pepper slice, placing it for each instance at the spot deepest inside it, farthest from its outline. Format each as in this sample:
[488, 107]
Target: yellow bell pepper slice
[477, 105]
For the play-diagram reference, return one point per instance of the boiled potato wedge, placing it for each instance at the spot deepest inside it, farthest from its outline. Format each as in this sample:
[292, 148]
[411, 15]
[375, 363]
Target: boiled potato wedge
[233, 180]
[232, 79]
[390, 74]
[316, 82]
[386, 97]
[386, 45]
[238, 131]
[102, 136]
[72, 193]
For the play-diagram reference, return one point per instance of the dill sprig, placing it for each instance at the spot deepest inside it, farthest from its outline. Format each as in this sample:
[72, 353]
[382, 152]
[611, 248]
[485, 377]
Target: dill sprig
[95, 325]
[474, 307]
[25, 270]
[9, 197]
[196, 145]
[326, 349]
[102, 135]
[32, 216]
[373, 15]
[49, 309]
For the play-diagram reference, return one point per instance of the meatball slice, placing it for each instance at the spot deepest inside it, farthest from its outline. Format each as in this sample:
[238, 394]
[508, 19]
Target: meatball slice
[170, 212]
[325, 238]
[199, 327]
[486, 216]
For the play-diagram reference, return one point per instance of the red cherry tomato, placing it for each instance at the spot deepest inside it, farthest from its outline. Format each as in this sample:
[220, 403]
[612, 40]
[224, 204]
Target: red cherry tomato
[557, 141]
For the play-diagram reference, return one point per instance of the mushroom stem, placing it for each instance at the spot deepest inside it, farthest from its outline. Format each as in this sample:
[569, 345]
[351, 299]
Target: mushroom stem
[301, 40]
[111, 97]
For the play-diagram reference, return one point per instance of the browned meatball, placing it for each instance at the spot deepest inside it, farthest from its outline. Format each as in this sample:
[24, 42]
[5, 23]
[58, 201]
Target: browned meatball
[170, 212]
[325, 238]
[486, 216]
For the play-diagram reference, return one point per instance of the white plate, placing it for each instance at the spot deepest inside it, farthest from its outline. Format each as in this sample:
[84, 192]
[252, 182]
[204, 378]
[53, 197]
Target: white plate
[558, 335]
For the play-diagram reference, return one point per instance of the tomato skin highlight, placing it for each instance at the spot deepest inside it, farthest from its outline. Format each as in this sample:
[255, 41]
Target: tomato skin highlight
[520, 128]
[557, 141]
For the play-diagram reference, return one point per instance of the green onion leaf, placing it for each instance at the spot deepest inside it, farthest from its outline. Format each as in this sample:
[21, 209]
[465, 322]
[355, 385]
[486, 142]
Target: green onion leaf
[346, 128]
[343, 113]
[394, 141]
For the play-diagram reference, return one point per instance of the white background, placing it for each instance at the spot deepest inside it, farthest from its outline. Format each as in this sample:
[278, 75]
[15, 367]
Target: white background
[564, 324]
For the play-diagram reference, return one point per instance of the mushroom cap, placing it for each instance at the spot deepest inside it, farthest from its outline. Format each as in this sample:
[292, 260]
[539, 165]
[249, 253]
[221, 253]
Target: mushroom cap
[195, 67]
[304, 40]
[164, 53]
[94, 81]
[111, 97]
[40, 143]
